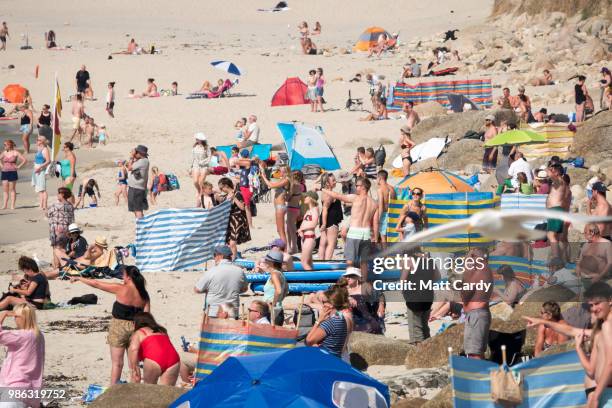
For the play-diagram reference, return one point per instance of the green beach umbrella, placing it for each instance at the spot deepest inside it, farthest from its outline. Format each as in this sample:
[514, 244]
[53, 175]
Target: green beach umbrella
[516, 137]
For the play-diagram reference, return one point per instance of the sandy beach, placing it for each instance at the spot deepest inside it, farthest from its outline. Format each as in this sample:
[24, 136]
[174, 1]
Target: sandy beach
[189, 36]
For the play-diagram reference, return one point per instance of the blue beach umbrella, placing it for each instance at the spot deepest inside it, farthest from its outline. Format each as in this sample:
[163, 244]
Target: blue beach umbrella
[228, 67]
[300, 377]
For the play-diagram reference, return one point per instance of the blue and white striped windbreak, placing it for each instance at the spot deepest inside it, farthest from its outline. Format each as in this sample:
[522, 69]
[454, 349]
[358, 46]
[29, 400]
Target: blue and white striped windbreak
[517, 201]
[176, 239]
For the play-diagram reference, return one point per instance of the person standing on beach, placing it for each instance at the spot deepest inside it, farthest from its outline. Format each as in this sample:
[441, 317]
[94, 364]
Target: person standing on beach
[9, 165]
[581, 94]
[44, 124]
[476, 305]
[110, 99]
[68, 166]
[364, 221]
[406, 145]
[60, 216]
[331, 218]
[83, 82]
[489, 159]
[320, 84]
[556, 201]
[3, 34]
[42, 159]
[251, 133]
[386, 193]
[78, 113]
[599, 206]
[138, 177]
[26, 126]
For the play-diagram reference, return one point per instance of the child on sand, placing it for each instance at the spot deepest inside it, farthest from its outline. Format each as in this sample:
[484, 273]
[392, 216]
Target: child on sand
[155, 184]
[90, 129]
[208, 200]
[102, 135]
[307, 229]
[122, 176]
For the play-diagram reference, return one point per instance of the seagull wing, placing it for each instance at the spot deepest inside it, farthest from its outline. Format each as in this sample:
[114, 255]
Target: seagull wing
[413, 241]
[533, 215]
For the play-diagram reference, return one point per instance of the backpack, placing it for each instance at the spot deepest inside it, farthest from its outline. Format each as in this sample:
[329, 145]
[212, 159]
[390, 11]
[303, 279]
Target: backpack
[472, 134]
[173, 182]
[380, 156]
[307, 321]
[163, 182]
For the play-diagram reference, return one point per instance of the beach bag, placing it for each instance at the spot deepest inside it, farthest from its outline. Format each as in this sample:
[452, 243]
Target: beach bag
[380, 156]
[163, 182]
[89, 299]
[173, 182]
[506, 388]
[307, 321]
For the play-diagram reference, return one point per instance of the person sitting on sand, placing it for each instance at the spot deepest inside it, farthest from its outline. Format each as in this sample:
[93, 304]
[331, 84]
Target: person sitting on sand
[412, 117]
[540, 116]
[380, 47]
[35, 292]
[317, 29]
[367, 305]
[151, 345]
[547, 337]
[304, 33]
[151, 89]
[545, 79]
[380, 112]
[87, 187]
[331, 329]
[75, 244]
[514, 288]
[96, 255]
[205, 88]
[310, 47]
[132, 47]
[50, 39]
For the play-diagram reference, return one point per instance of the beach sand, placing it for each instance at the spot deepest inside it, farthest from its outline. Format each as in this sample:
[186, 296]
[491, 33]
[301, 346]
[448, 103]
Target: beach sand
[189, 36]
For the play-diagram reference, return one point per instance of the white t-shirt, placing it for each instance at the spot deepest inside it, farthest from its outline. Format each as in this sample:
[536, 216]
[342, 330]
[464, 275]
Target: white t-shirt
[263, 320]
[517, 167]
[253, 129]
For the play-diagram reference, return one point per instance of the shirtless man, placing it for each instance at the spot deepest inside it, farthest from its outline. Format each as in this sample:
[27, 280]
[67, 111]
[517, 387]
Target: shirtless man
[506, 101]
[599, 206]
[476, 305]
[595, 261]
[556, 200]
[412, 117]
[385, 193]
[78, 113]
[364, 221]
[3, 34]
[597, 367]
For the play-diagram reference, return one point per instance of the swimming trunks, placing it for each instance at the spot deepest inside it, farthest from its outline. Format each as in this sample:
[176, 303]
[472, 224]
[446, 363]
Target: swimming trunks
[553, 224]
[384, 221]
[357, 244]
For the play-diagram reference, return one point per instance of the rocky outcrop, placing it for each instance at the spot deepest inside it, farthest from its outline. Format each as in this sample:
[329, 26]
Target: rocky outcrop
[593, 139]
[444, 399]
[138, 396]
[417, 383]
[371, 349]
[584, 8]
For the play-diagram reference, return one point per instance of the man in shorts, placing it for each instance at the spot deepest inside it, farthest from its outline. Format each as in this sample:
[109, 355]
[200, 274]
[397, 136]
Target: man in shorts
[364, 221]
[559, 191]
[385, 193]
[476, 305]
[138, 177]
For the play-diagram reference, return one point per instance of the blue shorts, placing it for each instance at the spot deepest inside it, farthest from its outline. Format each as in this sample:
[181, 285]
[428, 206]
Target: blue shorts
[26, 129]
[8, 176]
[384, 221]
[319, 91]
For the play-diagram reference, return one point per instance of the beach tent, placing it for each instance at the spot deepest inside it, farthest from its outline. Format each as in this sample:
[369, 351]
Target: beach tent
[306, 145]
[445, 208]
[14, 93]
[176, 239]
[433, 181]
[551, 381]
[300, 377]
[292, 92]
[478, 91]
[369, 38]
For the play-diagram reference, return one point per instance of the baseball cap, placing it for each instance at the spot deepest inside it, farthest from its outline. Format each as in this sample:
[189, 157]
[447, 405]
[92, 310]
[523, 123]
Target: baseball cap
[274, 256]
[142, 150]
[279, 243]
[223, 250]
[599, 186]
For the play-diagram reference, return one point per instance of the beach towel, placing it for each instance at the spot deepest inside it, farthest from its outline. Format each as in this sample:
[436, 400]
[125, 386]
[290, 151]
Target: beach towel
[552, 381]
[176, 239]
[479, 91]
[263, 151]
[220, 339]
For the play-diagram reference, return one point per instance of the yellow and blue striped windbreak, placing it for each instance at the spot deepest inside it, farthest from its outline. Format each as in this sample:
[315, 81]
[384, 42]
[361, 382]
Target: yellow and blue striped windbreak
[552, 381]
[444, 208]
[220, 339]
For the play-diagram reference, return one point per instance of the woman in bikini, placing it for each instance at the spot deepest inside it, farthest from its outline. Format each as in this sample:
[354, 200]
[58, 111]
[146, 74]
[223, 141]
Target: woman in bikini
[9, 165]
[122, 176]
[294, 202]
[280, 188]
[406, 144]
[413, 217]
[151, 345]
[307, 229]
[303, 28]
[546, 336]
[200, 157]
[331, 218]
[319, 89]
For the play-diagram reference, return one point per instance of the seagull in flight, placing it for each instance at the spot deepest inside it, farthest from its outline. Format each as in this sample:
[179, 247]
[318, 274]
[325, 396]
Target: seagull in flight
[495, 224]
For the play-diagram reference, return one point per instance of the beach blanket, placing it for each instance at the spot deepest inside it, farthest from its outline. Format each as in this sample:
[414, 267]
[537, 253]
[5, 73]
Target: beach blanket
[552, 381]
[260, 150]
[478, 91]
[444, 208]
[220, 339]
[176, 239]
[559, 141]
[517, 201]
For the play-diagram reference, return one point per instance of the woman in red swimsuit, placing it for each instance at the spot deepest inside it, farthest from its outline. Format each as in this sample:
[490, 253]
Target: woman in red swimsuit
[307, 229]
[151, 345]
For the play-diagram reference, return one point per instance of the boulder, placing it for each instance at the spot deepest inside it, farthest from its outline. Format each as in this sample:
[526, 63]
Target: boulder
[433, 352]
[577, 192]
[372, 349]
[542, 63]
[409, 403]
[593, 140]
[138, 396]
[593, 51]
[429, 109]
[578, 175]
[417, 383]
[533, 300]
[443, 399]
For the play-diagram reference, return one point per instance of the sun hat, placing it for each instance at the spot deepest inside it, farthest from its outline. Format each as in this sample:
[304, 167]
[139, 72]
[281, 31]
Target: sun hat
[490, 117]
[405, 129]
[274, 256]
[343, 176]
[279, 243]
[542, 174]
[200, 136]
[352, 271]
[142, 150]
[101, 242]
[74, 227]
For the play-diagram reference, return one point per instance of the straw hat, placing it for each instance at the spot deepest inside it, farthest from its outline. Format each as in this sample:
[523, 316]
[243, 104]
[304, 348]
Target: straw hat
[490, 117]
[74, 227]
[405, 129]
[101, 242]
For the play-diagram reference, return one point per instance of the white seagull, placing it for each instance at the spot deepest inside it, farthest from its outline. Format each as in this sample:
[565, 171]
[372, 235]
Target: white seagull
[495, 224]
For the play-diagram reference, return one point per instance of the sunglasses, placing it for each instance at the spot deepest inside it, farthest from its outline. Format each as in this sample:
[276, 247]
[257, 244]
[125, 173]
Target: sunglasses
[417, 193]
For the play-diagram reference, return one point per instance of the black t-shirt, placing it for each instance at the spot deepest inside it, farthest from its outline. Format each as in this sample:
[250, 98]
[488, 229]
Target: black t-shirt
[79, 246]
[42, 288]
[421, 300]
[82, 77]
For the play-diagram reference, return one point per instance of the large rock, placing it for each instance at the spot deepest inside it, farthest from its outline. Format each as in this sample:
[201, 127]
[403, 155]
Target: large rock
[443, 399]
[429, 109]
[138, 396]
[593, 51]
[417, 382]
[533, 301]
[372, 349]
[593, 140]
[433, 352]
[409, 403]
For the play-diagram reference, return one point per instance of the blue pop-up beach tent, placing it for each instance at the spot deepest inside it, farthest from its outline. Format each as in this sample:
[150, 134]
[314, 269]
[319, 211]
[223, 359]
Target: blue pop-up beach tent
[306, 145]
[300, 377]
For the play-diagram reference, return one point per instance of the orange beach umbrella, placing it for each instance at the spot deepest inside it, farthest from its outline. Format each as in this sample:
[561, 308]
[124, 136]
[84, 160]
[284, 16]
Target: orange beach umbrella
[14, 93]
